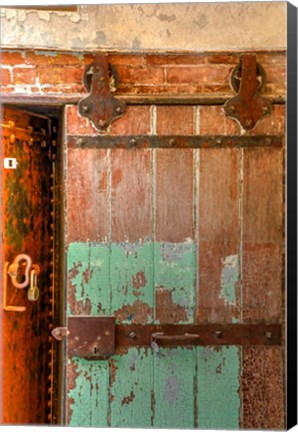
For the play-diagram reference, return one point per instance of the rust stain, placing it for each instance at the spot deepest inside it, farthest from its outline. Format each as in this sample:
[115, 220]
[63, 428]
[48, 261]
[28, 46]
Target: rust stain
[139, 280]
[113, 371]
[117, 177]
[128, 399]
[138, 313]
[166, 310]
[87, 274]
[72, 375]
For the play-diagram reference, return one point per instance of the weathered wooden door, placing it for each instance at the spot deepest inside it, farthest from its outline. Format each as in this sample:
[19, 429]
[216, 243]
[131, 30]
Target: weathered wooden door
[26, 189]
[181, 235]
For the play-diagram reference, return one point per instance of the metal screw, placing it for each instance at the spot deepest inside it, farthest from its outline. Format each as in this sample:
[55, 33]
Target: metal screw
[118, 110]
[269, 335]
[132, 336]
[218, 334]
[101, 123]
[218, 141]
[232, 108]
[95, 349]
[171, 141]
[43, 144]
[265, 109]
[248, 122]
[132, 142]
[85, 108]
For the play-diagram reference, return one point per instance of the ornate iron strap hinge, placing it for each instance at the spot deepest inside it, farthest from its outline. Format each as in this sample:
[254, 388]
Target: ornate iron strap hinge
[248, 107]
[100, 106]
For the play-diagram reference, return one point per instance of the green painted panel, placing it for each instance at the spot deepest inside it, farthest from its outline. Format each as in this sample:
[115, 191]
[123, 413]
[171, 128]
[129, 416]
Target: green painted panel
[174, 384]
[89, 397]
[131, 389]
[175, 268]
[88, 279]
[131, 282]
[218, 387]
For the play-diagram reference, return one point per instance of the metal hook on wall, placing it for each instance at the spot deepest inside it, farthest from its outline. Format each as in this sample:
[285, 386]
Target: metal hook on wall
[13, 270]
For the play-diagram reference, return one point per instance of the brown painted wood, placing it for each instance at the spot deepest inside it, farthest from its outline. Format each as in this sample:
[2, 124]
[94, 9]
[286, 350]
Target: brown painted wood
[263, 388]
[130, 195]
[174, 195]
[219, 235]
[262, 234]
[87, 195]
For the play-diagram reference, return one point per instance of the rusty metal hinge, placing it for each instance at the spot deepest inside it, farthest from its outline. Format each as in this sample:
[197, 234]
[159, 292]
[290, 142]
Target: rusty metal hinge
[248, 107]
[100, 106]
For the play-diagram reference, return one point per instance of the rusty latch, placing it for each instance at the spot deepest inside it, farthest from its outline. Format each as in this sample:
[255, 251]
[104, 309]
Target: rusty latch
[87, 336]
[248, 107]
[100, 106]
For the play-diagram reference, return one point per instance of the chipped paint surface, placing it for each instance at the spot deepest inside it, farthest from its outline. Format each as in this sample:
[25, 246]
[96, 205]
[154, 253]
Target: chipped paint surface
[174, 372]
[229, 278]
[90, 394]
[218, 384]
[88, 279]
[174, 277]
[130, 392]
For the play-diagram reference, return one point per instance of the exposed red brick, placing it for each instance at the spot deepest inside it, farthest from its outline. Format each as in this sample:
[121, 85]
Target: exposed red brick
[199, 75]
[276, 75]
[223, 59]
[273, 58]
[164, 60]
[140, 75]
[136, 121]
[11, 58]
[60, 75]
[24, 76]
[225, 89]
[127, 60]
[213, 121]
[5, 77]
[52, 58]
[176, 120]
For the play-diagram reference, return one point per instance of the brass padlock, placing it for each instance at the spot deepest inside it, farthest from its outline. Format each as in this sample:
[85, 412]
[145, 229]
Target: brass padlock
[33, 291]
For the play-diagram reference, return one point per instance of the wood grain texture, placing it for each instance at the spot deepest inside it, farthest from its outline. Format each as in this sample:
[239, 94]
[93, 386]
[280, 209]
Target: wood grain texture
[263, 389]
[174, 195]
[88, 279]
[174, 374]
[262, 235]
[219, 236]
[130, 195]
[87, 393]
[218, 387]
[130, 391]
[86, 188]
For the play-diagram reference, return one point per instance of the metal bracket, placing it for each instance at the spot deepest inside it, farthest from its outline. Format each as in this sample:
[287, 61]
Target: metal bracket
[100, 106]
[87, 336]
[248, 107]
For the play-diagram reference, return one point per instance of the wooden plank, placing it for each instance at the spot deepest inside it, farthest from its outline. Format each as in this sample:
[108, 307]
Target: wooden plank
[262, 234]
[263, 389]
[88, 291]
[131, 282]
[174, 279]
[173, 396]
[174, 195]
[130, 195]
[219, 236]
[218, 403]
[174, 247]
[86, 188]
[130, 392]
[87, 392]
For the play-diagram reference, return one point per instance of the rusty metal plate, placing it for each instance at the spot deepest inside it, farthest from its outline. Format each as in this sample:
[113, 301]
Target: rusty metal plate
[91, 337]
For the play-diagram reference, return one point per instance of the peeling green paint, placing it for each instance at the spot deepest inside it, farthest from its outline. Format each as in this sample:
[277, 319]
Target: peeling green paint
[218, 387]
[90, 399]
[229, 278]
[175, 267]
[131, 277]
[88, 276]
[174, 372]
[130, 389]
